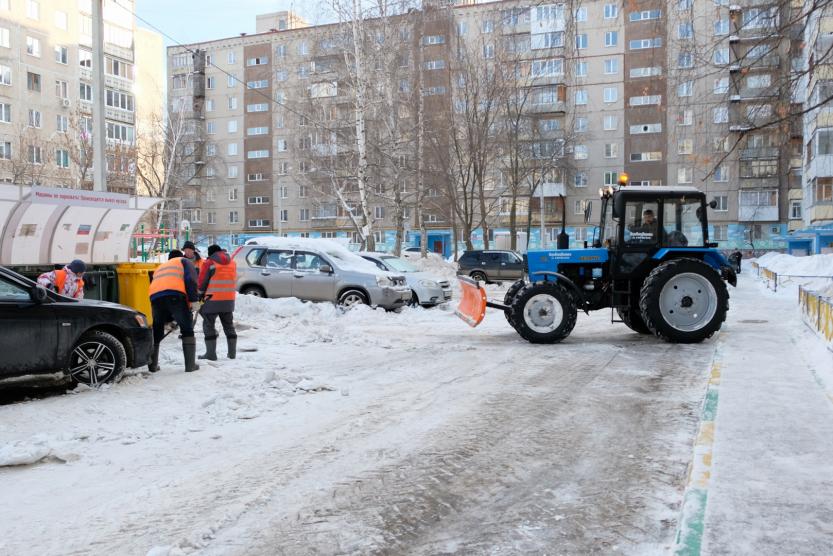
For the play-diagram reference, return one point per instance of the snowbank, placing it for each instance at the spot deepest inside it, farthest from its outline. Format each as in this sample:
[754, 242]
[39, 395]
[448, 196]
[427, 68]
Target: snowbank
[787, 265]
[436, 265]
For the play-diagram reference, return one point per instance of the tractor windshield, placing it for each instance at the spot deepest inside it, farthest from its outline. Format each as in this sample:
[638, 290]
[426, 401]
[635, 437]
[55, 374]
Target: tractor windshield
[682, 222]
[609, 225]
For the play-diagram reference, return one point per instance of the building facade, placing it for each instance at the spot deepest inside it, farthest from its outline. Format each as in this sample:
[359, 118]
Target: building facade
[687, 91]
[46, 93]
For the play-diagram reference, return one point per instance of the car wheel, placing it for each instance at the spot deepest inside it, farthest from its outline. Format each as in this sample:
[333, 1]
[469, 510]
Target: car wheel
[98, 357]
[478, 276]
[256, 291]
[352, 297]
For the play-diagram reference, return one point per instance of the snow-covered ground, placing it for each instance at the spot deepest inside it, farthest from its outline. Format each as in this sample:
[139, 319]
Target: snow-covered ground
[365, 432]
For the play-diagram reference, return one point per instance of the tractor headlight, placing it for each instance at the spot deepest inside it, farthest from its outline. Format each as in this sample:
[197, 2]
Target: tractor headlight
[428, 284]
[141, 320]
[383, 281]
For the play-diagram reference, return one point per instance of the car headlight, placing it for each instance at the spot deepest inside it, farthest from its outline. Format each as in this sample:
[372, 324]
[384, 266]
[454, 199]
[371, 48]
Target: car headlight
[383, 281]
[429, 284]
[141, 320]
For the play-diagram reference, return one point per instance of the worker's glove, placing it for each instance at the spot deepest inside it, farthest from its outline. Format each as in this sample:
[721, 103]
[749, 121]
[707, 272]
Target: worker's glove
[196, 306]
[170, 327]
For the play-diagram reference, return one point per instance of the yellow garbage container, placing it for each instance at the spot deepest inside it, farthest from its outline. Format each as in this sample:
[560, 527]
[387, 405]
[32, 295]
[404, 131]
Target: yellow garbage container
[134, 285]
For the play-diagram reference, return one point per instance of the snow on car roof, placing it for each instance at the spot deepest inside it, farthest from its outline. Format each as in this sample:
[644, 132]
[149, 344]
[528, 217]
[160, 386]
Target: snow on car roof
[341, 256]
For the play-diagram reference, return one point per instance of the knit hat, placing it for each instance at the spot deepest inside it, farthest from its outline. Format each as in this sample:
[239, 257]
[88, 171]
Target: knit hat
[190, 245]
[77, 266]
[174, 254]
[214, 249]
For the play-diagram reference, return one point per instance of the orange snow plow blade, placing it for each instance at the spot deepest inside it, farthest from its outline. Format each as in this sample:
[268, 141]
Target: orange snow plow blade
[472, 306]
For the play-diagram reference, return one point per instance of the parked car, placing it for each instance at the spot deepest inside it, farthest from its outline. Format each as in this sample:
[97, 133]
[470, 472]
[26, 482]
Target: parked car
[491, 265]
[426, 289]
[316, 270]
[43, 332]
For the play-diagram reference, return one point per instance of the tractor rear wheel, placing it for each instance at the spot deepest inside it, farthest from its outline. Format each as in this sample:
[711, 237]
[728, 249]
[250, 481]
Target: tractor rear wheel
[510, 295]
[684, 301]
[633, 319]
[544, 312]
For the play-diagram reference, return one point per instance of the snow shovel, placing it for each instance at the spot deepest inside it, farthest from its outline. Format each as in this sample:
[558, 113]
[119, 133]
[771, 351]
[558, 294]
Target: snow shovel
[194, 321]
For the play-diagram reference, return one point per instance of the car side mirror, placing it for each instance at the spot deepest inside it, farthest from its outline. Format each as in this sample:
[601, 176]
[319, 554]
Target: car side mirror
[38, 294]
[325, 268]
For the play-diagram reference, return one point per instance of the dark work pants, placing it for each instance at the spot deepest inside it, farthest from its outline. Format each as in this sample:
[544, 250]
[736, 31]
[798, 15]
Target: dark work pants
[171, 308]
[209, 328]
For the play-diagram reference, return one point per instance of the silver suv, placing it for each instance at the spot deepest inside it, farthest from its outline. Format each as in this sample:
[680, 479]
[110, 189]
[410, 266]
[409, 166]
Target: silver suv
[315, 270]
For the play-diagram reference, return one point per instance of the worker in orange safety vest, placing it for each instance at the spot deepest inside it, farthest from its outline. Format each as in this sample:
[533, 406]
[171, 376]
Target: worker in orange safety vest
[173, 295]
[218, 287]
[68, 281]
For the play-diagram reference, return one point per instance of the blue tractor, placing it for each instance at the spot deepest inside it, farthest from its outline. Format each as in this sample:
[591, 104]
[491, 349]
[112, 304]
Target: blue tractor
[650, 260]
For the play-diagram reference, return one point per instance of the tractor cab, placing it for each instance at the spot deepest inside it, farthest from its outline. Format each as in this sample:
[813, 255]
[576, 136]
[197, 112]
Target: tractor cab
[639, 222]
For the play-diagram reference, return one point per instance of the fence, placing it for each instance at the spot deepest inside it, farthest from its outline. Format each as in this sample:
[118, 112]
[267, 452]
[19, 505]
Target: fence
[773, 278]
[817, 313]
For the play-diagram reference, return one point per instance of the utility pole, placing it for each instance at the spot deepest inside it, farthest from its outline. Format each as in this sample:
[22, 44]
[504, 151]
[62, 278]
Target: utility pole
[99, 123]
[543, 227]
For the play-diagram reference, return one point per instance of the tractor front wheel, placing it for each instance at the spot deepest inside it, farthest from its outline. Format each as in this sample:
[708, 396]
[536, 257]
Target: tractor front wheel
[684, 301]
[510, 295]
[544, 312]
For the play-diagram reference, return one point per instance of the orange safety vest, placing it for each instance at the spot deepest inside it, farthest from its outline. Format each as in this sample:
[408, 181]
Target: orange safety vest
[61, 279]
[168, 276]
[222, 286]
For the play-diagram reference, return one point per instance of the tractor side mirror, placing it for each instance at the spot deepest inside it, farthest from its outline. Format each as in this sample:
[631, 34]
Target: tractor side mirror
[325, 268]
[618, 207]
[713, 203]
[588, 211]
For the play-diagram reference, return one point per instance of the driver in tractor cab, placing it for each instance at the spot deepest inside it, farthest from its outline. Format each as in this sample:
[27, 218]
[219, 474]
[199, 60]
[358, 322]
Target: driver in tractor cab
[647, 230]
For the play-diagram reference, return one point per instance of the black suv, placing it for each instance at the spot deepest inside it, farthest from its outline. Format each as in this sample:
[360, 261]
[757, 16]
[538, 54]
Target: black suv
[43, 332]
[491, 265]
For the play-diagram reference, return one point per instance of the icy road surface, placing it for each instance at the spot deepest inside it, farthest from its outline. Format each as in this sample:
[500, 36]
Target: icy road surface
[368, 432]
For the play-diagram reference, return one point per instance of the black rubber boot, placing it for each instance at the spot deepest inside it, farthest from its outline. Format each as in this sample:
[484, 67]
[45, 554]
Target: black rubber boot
[153, 366]
[232, 347]
[189, 350]
[210, 349]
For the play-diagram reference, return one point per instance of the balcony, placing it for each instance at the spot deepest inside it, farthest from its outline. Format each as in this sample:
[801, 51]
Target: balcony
[190, 203]
[757, 213]
[119, 83]
[557, 107]
[119, 115]
[821, 166]
[118, 51]
[769, 61]
[549, 189]
[759, 152]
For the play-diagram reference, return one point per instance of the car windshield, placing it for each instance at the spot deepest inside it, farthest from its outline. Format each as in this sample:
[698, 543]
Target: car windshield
[399, 265]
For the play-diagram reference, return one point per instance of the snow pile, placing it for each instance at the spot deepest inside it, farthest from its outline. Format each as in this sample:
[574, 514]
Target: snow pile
[436, 265]
[814, 272]
[38, 449]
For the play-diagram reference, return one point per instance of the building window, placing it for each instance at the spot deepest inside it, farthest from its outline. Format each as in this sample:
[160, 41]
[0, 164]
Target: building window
[721, 27]
[720, 114]
[685, 146]
[580, 179]
[651, 156]
[62, 158]
[611, 94]
[721, 86]
[644, 15]
[611, 66]
[116, 99]
[685, 30]
[210, 82]
[645, 100]
[5, 150]
[611, 11]
[581, 41]
[257, 154]
[302, 191]
[581, 97]
[35, 155]
[62, 124]
[32, 9]
[685, 60]
[611, 123]
[580, 152]
[685, 117]
[824, 141]
[233, 217]
[640, 44]
[580, 125]
[4, 37]
[610, 178]
[259, 107]
[33, 46]
[303, 215]
[721, 174]
[685, 175]
[232, 149]
[258, 84]
[611, 150]
[611, 38]
[212, 217]
[641, 129]
[487, 26]
[581, 69]
[722, 203]
[232, 194]
[823, 190]
[653, 71]
[62, 54]
[259, 223]
[721, 232]
[795, 209]
[258, 61]
[34, 118]
[581, 15]
[211, 128]
[211, 149]
[721, 56]
[685, 89]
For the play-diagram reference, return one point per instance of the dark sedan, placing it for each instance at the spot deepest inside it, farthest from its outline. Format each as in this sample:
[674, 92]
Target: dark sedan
[43, 332]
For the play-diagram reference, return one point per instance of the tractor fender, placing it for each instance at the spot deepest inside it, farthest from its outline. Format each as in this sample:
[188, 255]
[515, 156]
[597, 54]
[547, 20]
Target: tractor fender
[561, 278]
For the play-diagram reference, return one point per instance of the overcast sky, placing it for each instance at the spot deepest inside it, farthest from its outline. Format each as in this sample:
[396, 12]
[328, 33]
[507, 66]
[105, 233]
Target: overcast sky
[188, 21]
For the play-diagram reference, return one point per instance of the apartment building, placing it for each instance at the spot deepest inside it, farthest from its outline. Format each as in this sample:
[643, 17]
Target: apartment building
[46, 92]
[669, 92]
